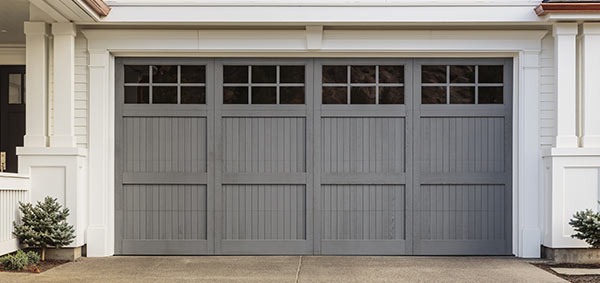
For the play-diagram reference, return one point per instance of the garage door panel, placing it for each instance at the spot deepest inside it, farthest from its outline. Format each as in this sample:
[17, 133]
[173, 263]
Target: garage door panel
[264, 144]
[264, 212]
[363, 212]
[164, 144]
[165, 212]
[462, 212]
[462, 144]
[363, 144]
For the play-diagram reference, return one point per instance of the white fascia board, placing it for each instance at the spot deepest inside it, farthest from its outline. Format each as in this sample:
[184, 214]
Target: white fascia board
[322, 15]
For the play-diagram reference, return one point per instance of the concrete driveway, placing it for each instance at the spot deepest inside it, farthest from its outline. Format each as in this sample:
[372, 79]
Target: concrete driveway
[290, 269]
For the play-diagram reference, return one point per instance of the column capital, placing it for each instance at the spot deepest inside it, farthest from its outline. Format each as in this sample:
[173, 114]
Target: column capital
[64, 29]
[590, 29]
[36, 28]
[559, 29]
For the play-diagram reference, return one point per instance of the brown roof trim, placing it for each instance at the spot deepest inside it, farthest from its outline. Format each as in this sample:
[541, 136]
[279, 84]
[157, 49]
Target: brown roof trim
[98, 6]
[546, 8]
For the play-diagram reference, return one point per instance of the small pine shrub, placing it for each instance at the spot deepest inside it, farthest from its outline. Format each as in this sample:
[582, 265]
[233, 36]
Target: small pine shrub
[587, 226]
[17, 261]
[33, 258]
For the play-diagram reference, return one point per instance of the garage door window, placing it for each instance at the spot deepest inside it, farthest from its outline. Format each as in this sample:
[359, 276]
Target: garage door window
[168, 84]
[371, 84]
[273, 84]
[462, 84]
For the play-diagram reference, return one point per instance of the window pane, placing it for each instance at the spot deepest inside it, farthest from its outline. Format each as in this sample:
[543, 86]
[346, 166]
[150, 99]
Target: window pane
[264, 95]
[137, 94]
[291, 95]
[335, 74]
[15, 87]
[462, 74]
[264, 74]
[164, 74]
[491, 74]
[391, 95]
[235, 95]
[362, 74]
[136, 74]
[362, 95]
[433, 95]
[291, 74]
[491, 95]
[193, 74]
[462, 95]
[391, 74]
[335, 95]
[235, 74]
[433, 74]
[193, 95]
[164, 94]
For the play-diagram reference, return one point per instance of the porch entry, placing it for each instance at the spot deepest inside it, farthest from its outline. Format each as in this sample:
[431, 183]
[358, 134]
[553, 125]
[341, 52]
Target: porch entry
[313, 156]
[12, 115]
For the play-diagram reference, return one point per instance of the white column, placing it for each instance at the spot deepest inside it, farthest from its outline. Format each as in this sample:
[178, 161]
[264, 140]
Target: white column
[36, 58]
[565, 66]
[100, 232]
[527, 210]
[64, 85]
[590, 40]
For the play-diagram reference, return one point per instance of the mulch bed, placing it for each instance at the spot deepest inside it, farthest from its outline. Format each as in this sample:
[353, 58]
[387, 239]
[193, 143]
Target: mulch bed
[571, 278]
[40, 267]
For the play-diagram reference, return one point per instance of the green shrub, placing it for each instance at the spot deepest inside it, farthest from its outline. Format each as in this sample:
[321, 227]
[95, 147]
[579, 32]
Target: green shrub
[587, 226]
[33, 257]
[17, 261]
[44, 225]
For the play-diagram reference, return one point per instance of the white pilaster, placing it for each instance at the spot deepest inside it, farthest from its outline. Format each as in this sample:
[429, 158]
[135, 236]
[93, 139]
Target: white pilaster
[590, 40]
[100, 232]
[527, 211]
[565, 66]
[64, 85]
[36, 60]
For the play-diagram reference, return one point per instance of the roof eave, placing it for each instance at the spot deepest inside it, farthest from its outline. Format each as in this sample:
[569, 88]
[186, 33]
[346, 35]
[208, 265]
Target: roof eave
[546, 8]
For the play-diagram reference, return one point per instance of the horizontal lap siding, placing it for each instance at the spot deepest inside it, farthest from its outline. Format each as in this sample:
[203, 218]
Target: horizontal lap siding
[164, 212]
[264, 144]
[473, 144]
[81, 91]
[264, 212]
[164, 144]
[463, 212]
[547, 93]
[363, 212]
[363, 144]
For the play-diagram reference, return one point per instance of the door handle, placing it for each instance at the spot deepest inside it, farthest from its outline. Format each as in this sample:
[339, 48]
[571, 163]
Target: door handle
[2, 161]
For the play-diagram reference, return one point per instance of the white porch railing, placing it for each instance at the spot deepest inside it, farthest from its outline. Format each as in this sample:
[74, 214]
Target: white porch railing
[14, 188]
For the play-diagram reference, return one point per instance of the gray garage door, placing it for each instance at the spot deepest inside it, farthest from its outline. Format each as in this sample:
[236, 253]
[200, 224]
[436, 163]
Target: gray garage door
[313, 156]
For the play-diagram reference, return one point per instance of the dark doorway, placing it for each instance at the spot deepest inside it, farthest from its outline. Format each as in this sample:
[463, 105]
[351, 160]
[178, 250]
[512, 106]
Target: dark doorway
[12, 113]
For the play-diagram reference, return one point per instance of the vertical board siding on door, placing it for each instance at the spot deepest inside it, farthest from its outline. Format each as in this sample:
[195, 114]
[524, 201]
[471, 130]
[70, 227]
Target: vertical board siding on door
[164, 212]
[264, 212]
[463, 212]
[462, 144]
[164, 144]
[363, 212]
[363, 144]
[264, 144]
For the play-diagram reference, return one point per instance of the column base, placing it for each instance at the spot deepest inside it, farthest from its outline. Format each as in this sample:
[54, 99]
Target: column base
[63, 141]
[590, 141]
[567, 142]
[35, 141]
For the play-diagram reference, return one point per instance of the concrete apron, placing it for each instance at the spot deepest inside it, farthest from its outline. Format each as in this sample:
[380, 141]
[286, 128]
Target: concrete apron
[290, 269]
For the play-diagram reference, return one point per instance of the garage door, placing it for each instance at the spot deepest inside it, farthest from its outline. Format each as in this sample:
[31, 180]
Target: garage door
[313, 156]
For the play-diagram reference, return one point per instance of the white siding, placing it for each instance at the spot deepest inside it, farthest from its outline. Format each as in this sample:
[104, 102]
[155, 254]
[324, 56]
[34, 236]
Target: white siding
[547, 93]
[81, 91]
